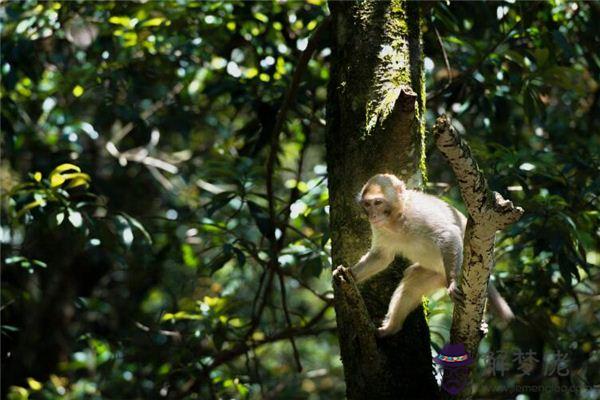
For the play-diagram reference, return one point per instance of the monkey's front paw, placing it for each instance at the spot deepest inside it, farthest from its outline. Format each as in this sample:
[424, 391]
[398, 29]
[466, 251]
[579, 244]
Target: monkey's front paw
[455, 294]
[342, 274]
[386, 330]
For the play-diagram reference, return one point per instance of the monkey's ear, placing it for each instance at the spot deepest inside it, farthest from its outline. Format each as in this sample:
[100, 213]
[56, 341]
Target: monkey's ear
[358, 197]
[399, 185]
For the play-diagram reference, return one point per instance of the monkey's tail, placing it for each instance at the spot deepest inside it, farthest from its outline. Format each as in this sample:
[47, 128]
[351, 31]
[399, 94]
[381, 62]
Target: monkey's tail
[498, 305]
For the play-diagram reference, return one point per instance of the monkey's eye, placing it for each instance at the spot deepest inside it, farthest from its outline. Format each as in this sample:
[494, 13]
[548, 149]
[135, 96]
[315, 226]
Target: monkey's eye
[378, 202]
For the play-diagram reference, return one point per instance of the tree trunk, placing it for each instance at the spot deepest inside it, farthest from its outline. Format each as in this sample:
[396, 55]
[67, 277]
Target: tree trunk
[375, 125]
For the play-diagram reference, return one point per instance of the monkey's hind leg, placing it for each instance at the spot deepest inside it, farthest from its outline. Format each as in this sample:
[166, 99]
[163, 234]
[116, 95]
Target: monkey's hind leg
[416, 283]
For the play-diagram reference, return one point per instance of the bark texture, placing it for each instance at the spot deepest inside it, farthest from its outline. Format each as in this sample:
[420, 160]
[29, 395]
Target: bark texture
[488, 213]
[374, 125]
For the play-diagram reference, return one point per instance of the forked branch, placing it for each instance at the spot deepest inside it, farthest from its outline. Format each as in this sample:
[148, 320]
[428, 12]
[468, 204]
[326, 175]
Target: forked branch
[488, 212]
[485, 207]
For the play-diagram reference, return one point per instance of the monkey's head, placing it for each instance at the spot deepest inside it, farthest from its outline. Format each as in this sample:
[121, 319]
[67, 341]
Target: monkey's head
[380, 198]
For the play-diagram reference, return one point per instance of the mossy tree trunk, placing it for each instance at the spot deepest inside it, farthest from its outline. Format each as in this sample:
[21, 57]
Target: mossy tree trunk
[374, 125]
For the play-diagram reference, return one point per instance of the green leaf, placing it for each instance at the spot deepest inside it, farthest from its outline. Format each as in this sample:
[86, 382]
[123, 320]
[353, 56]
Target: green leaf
[25, 262]
[121, 20]
[562, 42]
[30, 206]
[324, 238]
[68, 172]
[313, 267]
[75, 218]
[77, 175]
[78, 182]
[138, 225]
[261, 217]
[564, 77]
[127, 236]
[219, 201]
[65, 167]
[39, 263]
[17, 393]
[188, 256]
[14, 260]
[56, 180]
[180, 315]
[153, 21]
[57, 219]
[240, 256]
[124, 229]
[78, 91]
[541, 56]
[219, 262]
[261, 17]
[10, 328]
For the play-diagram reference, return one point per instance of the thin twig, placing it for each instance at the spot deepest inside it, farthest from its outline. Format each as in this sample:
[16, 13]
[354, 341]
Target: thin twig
[288, 320]
[258, 291]
[326, 297]
[262, 303]
[446, 61]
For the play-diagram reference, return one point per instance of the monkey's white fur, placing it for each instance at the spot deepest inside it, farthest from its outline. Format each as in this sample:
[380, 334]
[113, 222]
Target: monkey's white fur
[424, 229]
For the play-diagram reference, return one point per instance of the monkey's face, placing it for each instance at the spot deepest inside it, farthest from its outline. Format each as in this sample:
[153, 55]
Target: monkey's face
[379, 198]
[377, 208]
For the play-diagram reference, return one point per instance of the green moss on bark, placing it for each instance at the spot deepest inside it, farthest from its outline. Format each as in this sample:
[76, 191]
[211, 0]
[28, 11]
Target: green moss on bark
[393, 67]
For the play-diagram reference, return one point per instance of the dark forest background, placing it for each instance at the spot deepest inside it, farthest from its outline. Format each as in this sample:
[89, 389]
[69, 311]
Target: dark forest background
[141, 257]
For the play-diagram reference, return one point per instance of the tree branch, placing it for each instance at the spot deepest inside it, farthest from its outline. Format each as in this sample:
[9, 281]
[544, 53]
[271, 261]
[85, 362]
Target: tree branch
[352, 314]
[488, 212]
[485, 207]
[288, 320]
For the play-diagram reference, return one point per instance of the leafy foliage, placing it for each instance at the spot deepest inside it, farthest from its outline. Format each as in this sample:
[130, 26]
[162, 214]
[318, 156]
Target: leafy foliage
[163, 237]
[169, 107]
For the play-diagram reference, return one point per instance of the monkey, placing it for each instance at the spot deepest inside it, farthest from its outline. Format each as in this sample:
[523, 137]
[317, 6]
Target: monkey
[424, 229]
